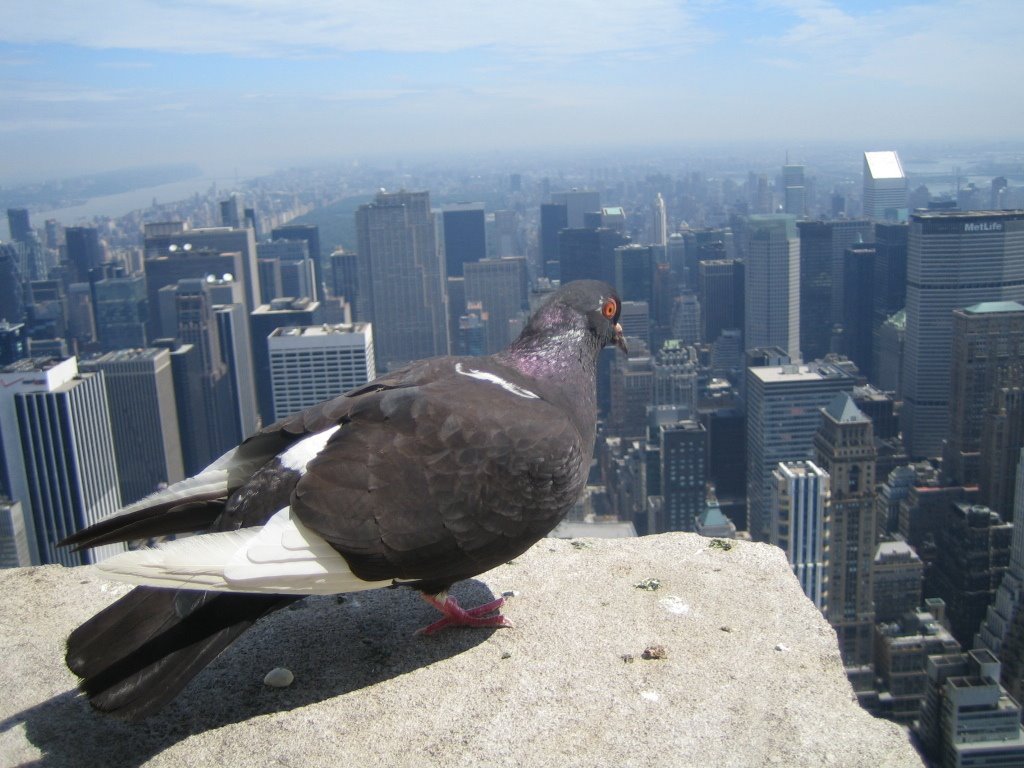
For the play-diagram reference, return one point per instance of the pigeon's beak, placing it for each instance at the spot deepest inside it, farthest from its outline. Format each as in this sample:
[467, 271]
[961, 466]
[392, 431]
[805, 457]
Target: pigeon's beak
[620, 340]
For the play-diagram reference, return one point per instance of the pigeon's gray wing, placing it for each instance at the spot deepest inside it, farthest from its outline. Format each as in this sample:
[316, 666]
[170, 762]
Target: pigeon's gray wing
[442, 481]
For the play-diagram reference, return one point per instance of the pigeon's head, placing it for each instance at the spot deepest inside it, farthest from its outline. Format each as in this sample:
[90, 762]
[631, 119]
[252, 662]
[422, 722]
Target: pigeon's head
[597, 306]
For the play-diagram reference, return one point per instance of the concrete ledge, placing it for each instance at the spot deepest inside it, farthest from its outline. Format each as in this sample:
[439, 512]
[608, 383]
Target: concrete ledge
[751, 674]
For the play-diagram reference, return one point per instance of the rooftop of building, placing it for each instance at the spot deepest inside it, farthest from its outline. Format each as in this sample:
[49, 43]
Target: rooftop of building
[744, 671]
[325, 329]
[125, 355]
[843, 409]
[895, 550]
[943, 215]
[287, 304]
[884, 165]
[770, 374]
[31, 364]
[993, 307]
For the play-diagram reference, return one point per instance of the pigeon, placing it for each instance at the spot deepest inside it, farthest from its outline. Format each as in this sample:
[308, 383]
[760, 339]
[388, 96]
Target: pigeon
[428, 475]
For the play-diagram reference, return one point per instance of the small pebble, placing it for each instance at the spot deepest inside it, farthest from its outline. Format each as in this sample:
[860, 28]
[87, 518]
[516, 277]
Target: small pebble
[725, 628]
[629, 658]
[655, 652]
[650, 585]
[580, 545]
[506, 654]
[781, 647]
[510, 593]
[279, 677]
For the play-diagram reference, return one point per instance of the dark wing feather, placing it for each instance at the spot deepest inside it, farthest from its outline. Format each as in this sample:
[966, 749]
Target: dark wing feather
[165, 514]
[442, 481]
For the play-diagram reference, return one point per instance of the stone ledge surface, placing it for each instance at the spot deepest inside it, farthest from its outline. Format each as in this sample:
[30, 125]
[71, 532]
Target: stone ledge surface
[751, 674]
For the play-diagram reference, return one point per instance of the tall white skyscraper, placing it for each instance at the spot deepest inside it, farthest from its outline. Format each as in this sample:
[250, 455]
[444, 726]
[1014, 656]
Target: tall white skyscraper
[310, 364]
[660, 216]
[58, 450]
[954, 259]
[885, 187]
[772, 285]
[799, 495]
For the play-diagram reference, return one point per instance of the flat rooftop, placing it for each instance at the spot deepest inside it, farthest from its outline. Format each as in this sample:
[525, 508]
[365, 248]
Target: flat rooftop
[884, 165]
[326, 329]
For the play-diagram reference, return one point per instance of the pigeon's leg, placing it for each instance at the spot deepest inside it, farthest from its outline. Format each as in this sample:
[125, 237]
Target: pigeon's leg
[457, 616]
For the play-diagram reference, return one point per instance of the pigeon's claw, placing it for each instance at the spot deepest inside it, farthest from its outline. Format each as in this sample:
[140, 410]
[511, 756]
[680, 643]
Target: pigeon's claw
[457, 616]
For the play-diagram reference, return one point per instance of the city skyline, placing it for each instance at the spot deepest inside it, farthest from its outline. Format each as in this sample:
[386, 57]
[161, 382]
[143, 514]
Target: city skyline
[89, 88]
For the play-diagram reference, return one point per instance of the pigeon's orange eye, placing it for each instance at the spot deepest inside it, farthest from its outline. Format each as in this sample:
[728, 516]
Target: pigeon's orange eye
[609, 309]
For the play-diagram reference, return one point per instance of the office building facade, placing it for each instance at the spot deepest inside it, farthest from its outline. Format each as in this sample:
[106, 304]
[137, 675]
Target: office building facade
[58, 449]
[954, 260]
[784, 405]
[401, 278]
[772, 283]
[310, 364]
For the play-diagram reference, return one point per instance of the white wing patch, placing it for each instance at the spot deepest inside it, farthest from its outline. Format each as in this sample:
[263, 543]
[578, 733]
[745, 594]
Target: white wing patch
[515, 389]
[299, 454]
[282, 557]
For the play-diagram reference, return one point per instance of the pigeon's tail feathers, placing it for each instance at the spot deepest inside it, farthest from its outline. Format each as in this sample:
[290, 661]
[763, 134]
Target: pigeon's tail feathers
[138, 653]
[186, 506]
[281, 557]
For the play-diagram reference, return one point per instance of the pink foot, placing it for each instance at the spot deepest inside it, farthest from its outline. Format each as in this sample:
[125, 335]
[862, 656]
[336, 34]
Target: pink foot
[456, 616]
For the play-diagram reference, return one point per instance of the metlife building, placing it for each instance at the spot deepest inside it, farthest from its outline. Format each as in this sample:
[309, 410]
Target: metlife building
[954, 259]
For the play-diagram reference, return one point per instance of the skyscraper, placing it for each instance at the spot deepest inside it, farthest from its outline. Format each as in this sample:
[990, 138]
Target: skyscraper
[554, 218]
[954, 259]
[310, 364]
[280, 313]
[122, 310]
[973, 555]
[823, 246]
[858, 296]
[187, 374]
[794, 190]
[14, 546]
[236, 349]
[683, 474]
[180, 264]
[721, 290]
[500, 286]
[659, 222]
[844, 447]
[577, 203]
[799, 493]
[890, 283]
[310, 233]
[12, 307]
[144, 418]
[885, 187]
[588, 254]
[401, 278]
[783, 414]
[59, 454]
[634, 272]
[18, 224]
[197, 325]
[772, 284]
[966, 717]
[463, 236]
[84, 251]
[988, 355]
[173, 240]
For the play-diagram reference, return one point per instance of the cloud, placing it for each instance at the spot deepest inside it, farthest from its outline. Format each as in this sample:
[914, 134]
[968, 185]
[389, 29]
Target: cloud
[955, 42]
[316, 27]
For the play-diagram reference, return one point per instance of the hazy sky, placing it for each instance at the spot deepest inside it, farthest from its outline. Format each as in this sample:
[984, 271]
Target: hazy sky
[89, 85]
